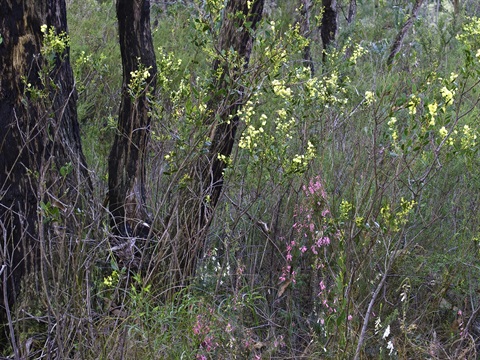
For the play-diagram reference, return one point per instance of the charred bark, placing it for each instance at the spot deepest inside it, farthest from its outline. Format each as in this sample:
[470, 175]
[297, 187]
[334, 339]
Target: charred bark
[329, 25]
[194, 210]
[39, 135]
[126, 163]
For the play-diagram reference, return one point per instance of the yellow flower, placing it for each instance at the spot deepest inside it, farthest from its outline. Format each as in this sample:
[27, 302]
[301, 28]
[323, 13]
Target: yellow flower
[412, 105]
[43, 28]
[369, 97]
[447, 95]
[432, 109]
[443, 132]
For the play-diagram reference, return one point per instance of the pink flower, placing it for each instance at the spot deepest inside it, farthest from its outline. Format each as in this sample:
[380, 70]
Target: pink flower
[322, 286]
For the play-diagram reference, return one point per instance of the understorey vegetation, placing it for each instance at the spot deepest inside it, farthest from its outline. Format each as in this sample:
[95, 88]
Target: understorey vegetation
[265, 179]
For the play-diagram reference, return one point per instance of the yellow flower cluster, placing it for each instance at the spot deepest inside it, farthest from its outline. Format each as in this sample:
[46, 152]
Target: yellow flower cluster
[281, 90]
[138, 80]
[300, 161]
[252, 136]
[469, 138]
[358, 52]
[53, 43]
[443, 132]
[369, 97]
[400, 218]
[167, 65]
[393, 128]
[412, 104]
[447, 95]
[432, 113]
[345, 208]
[112, 279]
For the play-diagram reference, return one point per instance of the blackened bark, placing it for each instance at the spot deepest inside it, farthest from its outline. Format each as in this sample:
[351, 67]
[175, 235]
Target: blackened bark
[196, 205]
[38, 136]
[126, 163]
[397, 44]
[329, 25]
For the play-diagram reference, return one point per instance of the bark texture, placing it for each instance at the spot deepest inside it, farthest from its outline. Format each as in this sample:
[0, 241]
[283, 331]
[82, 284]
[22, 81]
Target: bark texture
[193, 212]
[352, 11]
[126, 163]
[397, 44]
[329, 25]
[305, 12]
[39, 134]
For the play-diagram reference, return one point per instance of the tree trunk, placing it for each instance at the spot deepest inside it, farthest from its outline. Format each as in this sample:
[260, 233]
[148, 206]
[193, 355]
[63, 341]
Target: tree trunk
[193, 212]
[352, 11]
[305, 10]
[41, 158]
[329, 25]
[397, 44]
[126, 163]
[456, 7]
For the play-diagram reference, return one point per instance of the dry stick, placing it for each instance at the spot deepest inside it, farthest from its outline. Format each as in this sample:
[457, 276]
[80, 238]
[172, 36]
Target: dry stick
[5, 298]
[361, 339]
[397, 44]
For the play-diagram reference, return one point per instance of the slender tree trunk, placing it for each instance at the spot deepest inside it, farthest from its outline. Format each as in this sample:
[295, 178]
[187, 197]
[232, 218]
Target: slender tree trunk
[193, 212]
[305, 11]
[397, 44]
[41, 159]
[126, 163]
[456, 7]
[329, 25]
[352, 11]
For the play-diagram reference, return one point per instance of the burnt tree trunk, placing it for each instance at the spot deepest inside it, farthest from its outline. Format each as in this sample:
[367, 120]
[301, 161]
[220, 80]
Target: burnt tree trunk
[397, 44]
[193, 212]
[329, 25]
[126, 163]
[39, 135]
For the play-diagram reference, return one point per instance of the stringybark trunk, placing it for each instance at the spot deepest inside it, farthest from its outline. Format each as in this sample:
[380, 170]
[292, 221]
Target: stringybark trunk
[196, 205]
[329, 25]
[41, 158]
[126, 163]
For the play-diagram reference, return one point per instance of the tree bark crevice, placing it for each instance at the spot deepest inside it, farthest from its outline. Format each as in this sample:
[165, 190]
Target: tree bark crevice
[126, 163]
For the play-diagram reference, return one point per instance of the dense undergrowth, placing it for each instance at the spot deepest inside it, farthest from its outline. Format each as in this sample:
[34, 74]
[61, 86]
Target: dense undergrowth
[349, 222]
